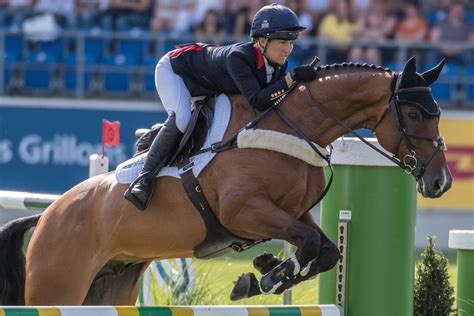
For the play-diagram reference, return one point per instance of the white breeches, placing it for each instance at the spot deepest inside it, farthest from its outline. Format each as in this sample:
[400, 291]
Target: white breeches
[173, 92]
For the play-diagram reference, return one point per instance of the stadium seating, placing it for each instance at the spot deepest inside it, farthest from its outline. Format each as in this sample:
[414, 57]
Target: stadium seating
[70, 73]
[136, 46]
[150, 62]
[119, 80]
[470, 85]
[11, 59]
[41, 69]
[442, 89]
[95, 48]
[14, 44]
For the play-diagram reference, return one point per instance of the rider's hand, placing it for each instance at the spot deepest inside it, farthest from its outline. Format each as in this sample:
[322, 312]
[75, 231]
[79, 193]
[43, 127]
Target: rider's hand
[303, 73]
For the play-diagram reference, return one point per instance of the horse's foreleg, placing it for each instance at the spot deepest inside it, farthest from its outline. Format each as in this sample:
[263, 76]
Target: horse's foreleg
[260, 216]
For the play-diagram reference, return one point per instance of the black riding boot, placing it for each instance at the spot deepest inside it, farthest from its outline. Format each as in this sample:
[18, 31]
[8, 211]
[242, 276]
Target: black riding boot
[161, 151]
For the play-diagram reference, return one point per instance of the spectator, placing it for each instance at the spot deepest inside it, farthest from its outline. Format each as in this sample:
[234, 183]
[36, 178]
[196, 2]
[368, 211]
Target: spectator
[339, 26]
[318, 9]
[202, 8]
[440, 12]
[210, 30]
[359, 6]
[14, 12]
[88, 12]
[304, 18]
[375, 25]
[64, 11]
[414, 26]
[125, 15]
[244, 16]
[229, 13]
[173, 16]
[452, 30]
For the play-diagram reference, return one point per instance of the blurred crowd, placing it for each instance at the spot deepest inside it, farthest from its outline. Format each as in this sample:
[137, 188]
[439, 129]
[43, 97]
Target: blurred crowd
[441, 22]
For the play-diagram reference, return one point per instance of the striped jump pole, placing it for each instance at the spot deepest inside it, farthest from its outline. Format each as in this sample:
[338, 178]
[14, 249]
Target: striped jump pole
[25, 200]
[370, 213]
[231, 310]
[463, 241]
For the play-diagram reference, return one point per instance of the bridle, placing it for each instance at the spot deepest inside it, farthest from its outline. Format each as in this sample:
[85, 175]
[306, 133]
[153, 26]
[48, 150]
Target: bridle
[411, 163]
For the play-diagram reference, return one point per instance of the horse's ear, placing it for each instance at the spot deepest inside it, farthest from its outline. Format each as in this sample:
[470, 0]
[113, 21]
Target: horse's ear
[408, 73]
[432, 75]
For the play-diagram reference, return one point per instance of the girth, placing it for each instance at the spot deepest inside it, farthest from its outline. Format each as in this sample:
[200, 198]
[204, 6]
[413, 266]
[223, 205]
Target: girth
[218, 239]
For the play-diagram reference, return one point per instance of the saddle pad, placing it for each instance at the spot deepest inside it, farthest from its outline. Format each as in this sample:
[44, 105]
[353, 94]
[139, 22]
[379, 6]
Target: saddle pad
[128, 170]
[282, 143]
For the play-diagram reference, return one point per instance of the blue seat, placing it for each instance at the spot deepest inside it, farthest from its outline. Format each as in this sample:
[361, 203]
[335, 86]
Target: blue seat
[14, 44]
[11, 58]
[470, 86]
[119, 80]
[39, 71]
[70, 74]
[95, 47]
[133, 46]
[393, 65]
[150, 62]
[442, 91]
[470, 17]
[56, 48]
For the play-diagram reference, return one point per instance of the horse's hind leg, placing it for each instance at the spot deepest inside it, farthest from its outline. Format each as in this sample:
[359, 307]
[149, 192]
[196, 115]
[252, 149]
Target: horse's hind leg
[62, 280]
[118, 289]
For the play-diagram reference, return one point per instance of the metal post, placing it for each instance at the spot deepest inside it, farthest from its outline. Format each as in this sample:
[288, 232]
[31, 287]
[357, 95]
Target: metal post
[288, 249]
[382, 200]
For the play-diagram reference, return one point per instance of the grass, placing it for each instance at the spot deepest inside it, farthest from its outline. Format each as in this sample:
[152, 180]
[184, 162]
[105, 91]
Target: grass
[216, 277]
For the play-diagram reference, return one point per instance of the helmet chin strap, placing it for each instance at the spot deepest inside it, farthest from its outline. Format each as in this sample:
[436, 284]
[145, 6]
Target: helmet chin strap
[264, 48]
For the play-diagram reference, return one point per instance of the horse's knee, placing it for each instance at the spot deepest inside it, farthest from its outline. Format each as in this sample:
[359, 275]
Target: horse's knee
[311, 247]
[329, 256]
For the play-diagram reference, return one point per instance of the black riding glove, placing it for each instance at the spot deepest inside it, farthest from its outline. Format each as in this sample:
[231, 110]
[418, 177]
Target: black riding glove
[303, 73]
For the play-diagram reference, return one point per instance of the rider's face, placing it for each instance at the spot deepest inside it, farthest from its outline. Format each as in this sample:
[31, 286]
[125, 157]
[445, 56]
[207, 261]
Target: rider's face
[277, 50]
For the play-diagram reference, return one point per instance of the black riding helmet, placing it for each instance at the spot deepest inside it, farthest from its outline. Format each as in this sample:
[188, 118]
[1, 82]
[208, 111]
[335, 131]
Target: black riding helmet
[276, 21]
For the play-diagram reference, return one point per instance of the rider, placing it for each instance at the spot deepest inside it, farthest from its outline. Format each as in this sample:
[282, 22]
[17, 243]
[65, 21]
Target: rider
[255, 69]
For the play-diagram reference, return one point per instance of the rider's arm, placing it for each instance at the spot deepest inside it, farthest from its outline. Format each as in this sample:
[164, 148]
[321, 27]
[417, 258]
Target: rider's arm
[242, 73]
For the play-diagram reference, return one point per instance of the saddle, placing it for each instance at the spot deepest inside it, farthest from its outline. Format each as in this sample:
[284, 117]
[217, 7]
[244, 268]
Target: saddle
[218, 239]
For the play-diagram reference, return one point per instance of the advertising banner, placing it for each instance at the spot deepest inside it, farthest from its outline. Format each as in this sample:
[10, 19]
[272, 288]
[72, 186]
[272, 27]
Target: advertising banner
[46, 149]
[459, 134]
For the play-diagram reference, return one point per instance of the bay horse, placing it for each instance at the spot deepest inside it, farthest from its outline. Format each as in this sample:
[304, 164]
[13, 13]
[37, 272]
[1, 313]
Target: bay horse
[91, 245]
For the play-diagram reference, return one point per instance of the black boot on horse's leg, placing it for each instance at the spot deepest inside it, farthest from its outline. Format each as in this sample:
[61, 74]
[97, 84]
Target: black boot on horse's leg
[161, 151]
[247, 284]
[281, 277]
[266, 262]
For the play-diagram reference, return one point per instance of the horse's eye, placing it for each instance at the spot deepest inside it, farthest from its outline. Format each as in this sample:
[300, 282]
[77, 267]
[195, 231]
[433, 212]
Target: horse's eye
[414, 116]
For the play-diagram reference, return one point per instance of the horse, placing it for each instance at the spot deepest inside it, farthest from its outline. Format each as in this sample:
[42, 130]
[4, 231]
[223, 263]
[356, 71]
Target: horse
[91, 245]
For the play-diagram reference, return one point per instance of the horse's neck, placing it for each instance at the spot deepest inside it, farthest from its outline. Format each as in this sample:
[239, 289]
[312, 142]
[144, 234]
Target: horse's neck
[356, 98]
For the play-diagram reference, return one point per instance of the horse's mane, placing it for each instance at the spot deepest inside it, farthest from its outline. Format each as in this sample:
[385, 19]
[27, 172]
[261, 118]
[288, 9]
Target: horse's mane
[355, 67]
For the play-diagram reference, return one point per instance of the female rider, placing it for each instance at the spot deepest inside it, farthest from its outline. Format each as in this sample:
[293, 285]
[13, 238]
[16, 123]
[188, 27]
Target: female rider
[255, 69]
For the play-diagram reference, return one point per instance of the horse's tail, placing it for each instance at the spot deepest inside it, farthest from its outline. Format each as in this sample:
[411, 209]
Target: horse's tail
[12, 260]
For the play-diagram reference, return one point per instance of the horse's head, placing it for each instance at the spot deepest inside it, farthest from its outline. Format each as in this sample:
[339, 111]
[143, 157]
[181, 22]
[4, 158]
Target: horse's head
[411, 131]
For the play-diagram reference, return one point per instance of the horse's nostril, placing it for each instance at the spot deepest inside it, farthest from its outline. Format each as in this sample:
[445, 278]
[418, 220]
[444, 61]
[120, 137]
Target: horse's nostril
[437, 185]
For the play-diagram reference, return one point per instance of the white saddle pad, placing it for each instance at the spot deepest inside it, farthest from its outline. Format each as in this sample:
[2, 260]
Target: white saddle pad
[128, 170]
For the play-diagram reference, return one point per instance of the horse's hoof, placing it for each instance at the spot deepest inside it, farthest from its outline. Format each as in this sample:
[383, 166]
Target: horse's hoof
[245, 286]
[266, 262]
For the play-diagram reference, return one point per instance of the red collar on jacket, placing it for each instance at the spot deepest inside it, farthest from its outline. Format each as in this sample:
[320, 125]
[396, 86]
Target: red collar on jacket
[260, 58]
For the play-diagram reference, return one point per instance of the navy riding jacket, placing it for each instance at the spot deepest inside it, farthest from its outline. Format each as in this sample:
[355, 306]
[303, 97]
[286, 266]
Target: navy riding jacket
[233, 69]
